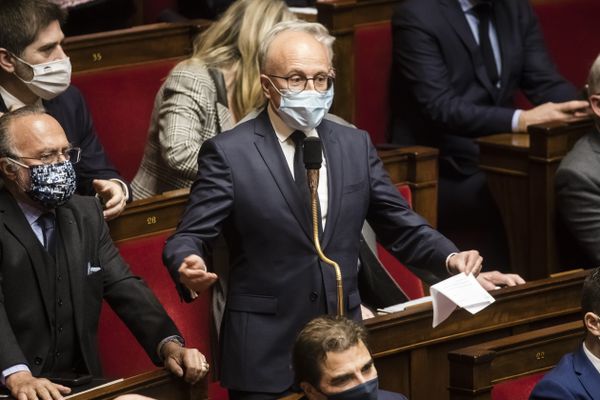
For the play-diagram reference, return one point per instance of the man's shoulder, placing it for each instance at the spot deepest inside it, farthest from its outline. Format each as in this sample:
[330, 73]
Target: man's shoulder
[385, 395]
[584, 157]
[86, 206]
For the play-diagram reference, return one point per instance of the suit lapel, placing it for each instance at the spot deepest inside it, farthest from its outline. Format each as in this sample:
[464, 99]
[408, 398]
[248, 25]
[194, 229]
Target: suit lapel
[17, 224]
[69, 239]
[586, 373]
[456, 19]
[267, 145]
[335, 171]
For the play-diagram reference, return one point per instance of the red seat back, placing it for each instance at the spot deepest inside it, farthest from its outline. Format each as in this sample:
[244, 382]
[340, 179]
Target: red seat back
[409, 282]
[121, 101]
[121, 355]
[516, 389]
[153, 8]
[372, 72]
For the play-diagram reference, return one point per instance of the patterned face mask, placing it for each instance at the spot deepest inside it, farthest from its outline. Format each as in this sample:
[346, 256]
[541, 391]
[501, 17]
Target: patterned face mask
[52, 185]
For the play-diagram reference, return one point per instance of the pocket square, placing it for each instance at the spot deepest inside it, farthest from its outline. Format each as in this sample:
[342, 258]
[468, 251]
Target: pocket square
[92, 269]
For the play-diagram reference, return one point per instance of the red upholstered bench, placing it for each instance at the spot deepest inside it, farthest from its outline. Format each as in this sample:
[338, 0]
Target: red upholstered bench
[121, 101]
[516, 389]
[409, 282]
[372, 68]
[121, 355]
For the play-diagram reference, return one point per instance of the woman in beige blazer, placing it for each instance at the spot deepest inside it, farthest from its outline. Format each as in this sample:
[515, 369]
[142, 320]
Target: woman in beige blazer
[205, 95]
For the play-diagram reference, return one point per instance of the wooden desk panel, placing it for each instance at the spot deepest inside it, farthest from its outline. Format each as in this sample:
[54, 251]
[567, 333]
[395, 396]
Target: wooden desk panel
[132, 45]
[157, 384]
[408, 351]
[520, 171]
[475, 370]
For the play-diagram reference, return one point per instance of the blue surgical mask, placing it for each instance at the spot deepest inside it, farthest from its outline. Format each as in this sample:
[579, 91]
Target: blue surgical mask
[52, 185]
[364, 391]
[304, 110]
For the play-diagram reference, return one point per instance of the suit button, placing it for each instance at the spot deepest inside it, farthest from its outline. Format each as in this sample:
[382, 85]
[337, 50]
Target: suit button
[59, 277]
[60, 302]
[314, 296]
[57, 354]
[60, 329]
[37, 361]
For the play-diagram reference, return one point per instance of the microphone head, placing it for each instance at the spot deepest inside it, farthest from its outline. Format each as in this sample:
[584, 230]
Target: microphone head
[313, 155]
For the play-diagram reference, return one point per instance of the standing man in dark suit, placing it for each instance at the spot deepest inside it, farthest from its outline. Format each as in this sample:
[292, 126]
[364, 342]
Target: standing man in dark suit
[331, 361]
[34, 70]
[577, 375]
[578, 182]
[454, 84]
[248, 189]
[57, 264]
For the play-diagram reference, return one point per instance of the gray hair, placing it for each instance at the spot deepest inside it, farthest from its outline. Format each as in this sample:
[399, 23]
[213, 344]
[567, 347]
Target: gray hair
[593, 82]
[318, 31]
[6, 138]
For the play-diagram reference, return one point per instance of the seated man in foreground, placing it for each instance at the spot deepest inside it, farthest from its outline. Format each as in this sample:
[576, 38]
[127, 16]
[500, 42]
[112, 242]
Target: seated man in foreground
[578, 181]
[57, 263]
[331, 361]
[577, 375]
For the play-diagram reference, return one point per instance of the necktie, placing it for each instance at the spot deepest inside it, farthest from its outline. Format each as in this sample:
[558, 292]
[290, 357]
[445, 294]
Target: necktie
[46, 222]
[484, 14]
[299, 168]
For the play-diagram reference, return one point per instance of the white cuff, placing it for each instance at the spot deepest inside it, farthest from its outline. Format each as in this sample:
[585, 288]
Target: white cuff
[14, 369]
[448, 260]
[123, 186]
[515, 120]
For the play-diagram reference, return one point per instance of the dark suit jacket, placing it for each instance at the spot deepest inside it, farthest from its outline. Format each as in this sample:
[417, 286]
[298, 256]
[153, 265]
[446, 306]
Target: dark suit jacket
[578, 195]
[24, 290]
[442, 96]
[70, 110]
[381, 395]
[574, 377]
[276, 283]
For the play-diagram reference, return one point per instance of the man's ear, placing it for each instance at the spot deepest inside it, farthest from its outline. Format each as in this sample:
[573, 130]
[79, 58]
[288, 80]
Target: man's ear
[311, 392]
[595, 104]
[9, 170]
[7, 61]
[264, 84]
[592, 323]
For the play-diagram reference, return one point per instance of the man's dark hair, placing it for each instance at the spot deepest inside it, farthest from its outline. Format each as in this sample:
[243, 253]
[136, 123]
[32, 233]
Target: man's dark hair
[320, 336]
[590, 294]
[22, 20]
[6, 145]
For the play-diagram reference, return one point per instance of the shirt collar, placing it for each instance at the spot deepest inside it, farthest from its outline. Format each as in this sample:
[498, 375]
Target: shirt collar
[467, 5]
[31, 213]
[13, 103]
[283, 131]
[593, 359]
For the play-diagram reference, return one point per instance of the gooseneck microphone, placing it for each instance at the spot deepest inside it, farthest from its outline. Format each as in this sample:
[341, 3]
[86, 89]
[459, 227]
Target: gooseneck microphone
[313, 158]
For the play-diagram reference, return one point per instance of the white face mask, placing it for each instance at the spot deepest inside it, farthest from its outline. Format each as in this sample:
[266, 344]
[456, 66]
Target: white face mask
[304, 110]
[49, 79]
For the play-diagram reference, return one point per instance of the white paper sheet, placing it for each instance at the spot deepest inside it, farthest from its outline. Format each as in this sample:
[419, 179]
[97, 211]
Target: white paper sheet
[404, 306]
[460, 290]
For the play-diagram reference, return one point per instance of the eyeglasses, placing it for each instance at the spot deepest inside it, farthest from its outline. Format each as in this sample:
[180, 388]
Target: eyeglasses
[297, 83]
[72, 154]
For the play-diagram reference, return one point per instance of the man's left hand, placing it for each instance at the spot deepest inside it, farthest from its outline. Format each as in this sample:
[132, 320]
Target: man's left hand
[112, 196]
[495, 280]
[468, 262]
[183, 362]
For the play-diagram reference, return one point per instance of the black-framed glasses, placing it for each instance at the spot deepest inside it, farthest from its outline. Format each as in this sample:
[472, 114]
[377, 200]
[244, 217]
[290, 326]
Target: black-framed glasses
[72, 154]
[297, 83]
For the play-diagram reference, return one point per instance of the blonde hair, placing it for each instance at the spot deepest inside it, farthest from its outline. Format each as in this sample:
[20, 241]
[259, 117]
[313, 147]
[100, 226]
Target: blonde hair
[233, 42]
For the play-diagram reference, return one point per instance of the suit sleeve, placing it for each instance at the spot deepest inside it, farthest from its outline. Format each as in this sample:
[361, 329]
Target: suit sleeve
[540, 80]
[548, 389]
[399, 229]
[130, 298]
[210, 203]
[94, 163]
[10, 351]
[419, 61]
[578, 197]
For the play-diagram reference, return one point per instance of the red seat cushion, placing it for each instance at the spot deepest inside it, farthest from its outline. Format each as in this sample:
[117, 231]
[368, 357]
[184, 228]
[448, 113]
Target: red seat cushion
[121, 102]
[516, 389]
[409, 282]
[372, 68]
[121, 355]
